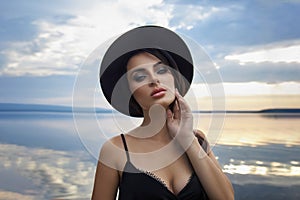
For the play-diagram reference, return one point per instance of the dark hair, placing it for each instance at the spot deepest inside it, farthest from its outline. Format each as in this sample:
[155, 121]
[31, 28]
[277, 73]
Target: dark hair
[180, 83]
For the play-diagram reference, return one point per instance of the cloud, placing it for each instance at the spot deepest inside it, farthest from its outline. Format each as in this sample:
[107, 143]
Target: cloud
[187, 16]
[256, 88]
[247, 23]
[42, 40]
[274, 54]
[58, 44]
[14, 195]
[269, 63]
[49, 53]
[61, 43]
[250, 88]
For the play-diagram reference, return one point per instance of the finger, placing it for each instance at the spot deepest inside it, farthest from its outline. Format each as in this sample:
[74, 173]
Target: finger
[176, 110]
[183, 106]
[169, 114]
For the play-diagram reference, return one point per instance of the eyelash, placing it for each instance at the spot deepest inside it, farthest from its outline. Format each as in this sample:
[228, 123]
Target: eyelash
[140, 78]
[162, 70]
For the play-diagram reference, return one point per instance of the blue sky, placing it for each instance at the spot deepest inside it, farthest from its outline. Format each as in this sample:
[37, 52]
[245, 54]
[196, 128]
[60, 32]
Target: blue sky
[254, 44]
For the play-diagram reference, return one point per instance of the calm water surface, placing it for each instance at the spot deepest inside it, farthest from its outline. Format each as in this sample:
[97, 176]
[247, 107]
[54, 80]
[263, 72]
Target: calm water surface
[43, 156]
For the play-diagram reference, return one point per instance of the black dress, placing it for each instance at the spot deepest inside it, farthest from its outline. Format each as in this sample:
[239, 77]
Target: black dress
[143, 185]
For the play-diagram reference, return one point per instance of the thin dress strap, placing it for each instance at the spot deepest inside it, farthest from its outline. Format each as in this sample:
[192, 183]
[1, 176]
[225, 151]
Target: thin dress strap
[125, 147]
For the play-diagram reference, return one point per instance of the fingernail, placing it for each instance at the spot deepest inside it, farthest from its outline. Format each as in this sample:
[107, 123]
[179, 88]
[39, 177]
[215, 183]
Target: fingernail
[169, 114]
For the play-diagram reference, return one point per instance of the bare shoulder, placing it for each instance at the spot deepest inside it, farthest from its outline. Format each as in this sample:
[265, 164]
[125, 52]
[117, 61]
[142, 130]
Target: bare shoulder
[114, 142]
[112, 153]
[117, 140]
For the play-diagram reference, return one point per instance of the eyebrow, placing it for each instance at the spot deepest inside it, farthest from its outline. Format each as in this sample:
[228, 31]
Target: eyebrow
[158, 63]
[142, 69]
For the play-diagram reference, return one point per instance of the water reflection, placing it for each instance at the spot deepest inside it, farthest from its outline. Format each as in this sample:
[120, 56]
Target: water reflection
[255, 130]
[263, 168]
[43, 157]
[51, 173]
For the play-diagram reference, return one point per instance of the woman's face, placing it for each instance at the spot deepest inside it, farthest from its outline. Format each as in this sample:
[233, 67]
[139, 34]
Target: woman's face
[150, 80]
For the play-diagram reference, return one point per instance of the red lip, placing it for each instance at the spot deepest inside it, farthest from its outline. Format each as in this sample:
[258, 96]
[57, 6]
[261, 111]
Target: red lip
[155, 91]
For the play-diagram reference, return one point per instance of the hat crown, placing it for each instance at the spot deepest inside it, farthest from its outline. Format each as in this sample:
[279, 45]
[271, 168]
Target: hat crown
[113, 65]
[145, 37]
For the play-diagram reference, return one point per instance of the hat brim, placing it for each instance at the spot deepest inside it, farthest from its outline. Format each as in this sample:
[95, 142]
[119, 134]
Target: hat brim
[114, 61]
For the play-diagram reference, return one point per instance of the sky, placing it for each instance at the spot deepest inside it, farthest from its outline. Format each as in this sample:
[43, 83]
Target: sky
[254, 45]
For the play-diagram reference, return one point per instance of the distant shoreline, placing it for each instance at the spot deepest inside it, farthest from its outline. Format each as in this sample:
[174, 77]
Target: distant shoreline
[15, 107]
[267, 111]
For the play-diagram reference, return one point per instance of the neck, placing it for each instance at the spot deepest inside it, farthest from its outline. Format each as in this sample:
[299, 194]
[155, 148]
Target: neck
[154, 124]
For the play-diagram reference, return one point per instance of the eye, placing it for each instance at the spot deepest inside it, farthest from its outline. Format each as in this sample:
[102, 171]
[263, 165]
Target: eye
[162, 69]
[139, 77]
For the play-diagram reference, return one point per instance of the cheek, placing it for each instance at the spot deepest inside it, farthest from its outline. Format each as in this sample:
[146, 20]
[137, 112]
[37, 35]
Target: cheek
[139, 95]
[136, 88]
[169, 82]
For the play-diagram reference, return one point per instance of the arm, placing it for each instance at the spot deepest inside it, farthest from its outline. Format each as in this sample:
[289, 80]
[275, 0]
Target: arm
[207, 168]
[106, 179]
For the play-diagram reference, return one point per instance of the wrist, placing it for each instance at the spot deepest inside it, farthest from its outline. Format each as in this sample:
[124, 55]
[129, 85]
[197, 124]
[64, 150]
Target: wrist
[196, 149]
[185, 140]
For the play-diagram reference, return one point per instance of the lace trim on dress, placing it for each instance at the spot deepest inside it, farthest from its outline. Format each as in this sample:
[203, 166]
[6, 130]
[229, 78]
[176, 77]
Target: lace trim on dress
[151, 174]
[157, 178]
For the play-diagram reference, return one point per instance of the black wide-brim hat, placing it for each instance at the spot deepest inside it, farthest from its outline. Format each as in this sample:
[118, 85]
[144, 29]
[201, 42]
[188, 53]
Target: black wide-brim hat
[113, 65]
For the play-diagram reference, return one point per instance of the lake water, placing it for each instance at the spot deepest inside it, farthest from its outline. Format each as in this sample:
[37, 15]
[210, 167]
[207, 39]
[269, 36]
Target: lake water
[46, 155]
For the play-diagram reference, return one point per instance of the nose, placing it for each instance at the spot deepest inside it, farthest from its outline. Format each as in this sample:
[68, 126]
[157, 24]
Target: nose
[154, 81]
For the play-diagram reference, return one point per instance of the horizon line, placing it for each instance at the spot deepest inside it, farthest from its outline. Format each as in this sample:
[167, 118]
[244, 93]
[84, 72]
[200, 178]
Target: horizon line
[65, 108]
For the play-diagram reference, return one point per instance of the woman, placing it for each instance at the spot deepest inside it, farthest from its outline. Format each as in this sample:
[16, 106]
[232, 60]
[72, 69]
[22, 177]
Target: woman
[145, 73]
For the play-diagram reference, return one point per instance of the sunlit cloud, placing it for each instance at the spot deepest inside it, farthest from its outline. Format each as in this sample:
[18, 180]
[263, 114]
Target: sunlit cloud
[274, 54]
[63, 37]
[62, 43]
[250, 88]
[257, 88]
[60, 48]
[7, 195]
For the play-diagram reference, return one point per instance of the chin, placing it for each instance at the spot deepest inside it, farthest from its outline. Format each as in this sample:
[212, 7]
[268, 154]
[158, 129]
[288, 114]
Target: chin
[167, 103]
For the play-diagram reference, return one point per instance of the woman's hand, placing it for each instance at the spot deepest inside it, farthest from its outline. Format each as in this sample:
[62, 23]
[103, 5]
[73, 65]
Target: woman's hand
[180, 122]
